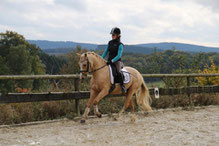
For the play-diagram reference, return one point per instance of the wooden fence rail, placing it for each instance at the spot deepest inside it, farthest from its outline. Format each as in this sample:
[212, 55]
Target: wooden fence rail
[75, 76]
[77, 95]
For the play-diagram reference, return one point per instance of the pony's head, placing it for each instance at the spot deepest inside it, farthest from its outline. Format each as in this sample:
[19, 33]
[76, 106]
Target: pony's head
[84, 65]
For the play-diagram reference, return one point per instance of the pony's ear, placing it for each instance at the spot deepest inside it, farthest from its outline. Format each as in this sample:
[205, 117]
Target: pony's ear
[78, 54]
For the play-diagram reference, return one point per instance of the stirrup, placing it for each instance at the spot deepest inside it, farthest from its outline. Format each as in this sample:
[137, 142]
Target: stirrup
[112, 88]
[123, 89]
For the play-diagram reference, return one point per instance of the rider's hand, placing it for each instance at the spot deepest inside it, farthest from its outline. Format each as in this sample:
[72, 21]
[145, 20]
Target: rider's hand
[109, 62]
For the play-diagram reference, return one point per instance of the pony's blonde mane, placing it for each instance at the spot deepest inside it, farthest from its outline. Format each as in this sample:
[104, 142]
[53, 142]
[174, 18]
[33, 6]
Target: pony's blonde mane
[96, 55]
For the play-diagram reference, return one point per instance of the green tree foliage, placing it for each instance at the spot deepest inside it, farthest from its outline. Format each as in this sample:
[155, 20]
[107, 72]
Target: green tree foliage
[19, 60]
[169, 61]
[18, 57]
[72, 66]
[53, 63]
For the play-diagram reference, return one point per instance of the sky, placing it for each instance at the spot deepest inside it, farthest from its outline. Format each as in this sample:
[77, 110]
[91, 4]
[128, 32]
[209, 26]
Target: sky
[90, 21]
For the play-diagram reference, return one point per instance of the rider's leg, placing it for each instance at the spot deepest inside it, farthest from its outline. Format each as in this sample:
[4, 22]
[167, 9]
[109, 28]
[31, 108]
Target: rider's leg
[118, 69]
[121, 83]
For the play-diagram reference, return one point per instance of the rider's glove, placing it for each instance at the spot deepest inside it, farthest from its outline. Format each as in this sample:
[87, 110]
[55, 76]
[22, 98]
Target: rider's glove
[109, 62]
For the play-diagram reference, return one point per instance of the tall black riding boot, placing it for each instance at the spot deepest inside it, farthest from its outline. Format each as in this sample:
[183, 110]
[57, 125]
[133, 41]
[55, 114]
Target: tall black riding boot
[121, 78]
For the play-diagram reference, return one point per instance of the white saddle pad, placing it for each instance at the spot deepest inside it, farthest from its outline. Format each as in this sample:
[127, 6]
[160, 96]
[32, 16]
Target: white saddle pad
[125, 74]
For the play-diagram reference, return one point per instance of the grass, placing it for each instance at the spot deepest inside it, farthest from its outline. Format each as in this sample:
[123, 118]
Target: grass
[159, 84]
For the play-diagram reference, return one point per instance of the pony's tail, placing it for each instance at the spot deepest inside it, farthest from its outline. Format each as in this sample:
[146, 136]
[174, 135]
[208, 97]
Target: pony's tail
[143, 98]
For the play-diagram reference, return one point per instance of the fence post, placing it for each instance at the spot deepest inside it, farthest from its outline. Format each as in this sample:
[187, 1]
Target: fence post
[188, 91]
[77, 107]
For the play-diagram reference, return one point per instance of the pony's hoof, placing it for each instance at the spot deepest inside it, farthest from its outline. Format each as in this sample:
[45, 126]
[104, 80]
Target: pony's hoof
[133, 119]
[116, 118]
[99, 115]
[146, 113]
[82, 121]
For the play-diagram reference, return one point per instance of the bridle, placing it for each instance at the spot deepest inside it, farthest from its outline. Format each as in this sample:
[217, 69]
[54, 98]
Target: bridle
[88, 67]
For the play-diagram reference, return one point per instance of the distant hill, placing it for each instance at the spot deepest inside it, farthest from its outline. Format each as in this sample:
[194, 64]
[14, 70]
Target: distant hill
[128, 49]
[133, 49]
[44, 44]
[181, 47]
[63, 47]
[57, 51]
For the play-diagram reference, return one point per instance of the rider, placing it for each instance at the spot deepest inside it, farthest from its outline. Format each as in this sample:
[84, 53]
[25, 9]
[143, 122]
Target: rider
[115, 49]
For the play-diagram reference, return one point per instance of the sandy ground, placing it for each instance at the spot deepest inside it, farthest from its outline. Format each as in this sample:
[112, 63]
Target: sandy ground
[163, 127]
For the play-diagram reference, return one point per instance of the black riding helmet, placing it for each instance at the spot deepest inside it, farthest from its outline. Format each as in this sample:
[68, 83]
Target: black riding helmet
[116, 31]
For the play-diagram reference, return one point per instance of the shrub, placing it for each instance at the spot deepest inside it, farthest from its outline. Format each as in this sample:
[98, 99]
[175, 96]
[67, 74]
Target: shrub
[6, 114]
[212, 69]
[26, 112]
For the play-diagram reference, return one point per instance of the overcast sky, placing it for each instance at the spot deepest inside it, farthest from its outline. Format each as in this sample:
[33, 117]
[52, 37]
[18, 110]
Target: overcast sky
[141, 21]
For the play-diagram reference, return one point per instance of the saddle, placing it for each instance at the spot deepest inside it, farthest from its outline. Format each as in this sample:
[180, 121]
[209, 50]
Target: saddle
[114, 77]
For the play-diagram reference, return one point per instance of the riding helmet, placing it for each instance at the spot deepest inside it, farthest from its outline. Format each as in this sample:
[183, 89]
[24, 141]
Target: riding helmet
[115, 30]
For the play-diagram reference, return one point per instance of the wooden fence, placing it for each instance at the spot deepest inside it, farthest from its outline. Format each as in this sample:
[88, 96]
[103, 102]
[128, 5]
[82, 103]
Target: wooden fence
[77, 95]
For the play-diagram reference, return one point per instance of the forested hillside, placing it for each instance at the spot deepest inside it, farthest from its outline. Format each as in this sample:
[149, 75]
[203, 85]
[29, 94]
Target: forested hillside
[44, 44]
[18, 57]
[133, 49]
[181, 47]
[63, 47]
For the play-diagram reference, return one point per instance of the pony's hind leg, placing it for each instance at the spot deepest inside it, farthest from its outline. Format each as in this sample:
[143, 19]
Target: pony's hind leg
[132, 105]
[128, 101]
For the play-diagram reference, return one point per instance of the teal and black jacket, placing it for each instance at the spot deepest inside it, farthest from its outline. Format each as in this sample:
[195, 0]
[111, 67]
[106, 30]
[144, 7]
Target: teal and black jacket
[115, 49]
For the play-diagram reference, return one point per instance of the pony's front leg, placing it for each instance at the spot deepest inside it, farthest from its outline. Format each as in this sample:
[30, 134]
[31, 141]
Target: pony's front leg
[101, 95]
[93, 94]
[96, 111]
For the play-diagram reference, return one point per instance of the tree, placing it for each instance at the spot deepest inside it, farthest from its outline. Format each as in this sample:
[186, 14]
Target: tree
[71, 67]
[18, 60]
[53, 63]
[18, 57]
[209, 69]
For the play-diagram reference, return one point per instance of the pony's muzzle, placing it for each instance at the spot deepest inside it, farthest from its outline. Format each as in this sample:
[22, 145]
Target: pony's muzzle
[83, 76]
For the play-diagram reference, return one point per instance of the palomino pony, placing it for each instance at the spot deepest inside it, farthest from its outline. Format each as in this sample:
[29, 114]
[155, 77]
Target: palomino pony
[100, 85]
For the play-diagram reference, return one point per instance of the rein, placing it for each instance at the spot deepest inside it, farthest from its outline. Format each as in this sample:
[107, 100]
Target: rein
[88, 66]
[98, 68]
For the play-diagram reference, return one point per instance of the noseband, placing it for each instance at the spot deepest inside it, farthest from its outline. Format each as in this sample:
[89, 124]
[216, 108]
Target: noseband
[88, 67]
